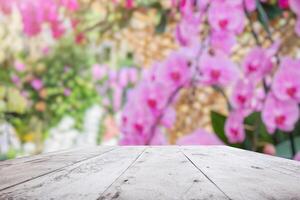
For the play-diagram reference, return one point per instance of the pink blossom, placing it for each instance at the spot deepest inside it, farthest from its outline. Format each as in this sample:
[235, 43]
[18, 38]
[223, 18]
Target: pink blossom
[19, 66]
[158, 139]
[286, 84]
[192, 51]
[297, 156]
[250, 5]
[223, 41]
[15, 79]
[186, 33]
[202, 4]
[153, 96]
[152, 74]
[57, 29]
[297, 26]
[283, 4]
[242, 94]
[269, 149]
[175, 71]
[71, 5]
[37, 84]
[45, 50]
[234, 128]
[137, 122]
[225, 17]
[32, 17]
[67, 92]
[258, 99]
[199, 137]
[113, 76]
[295, 6]
[129, 4]
[279, 114]
[257, 64]
[79, 38]
[35, 13]
[169, 118]
[217, 69]
[123, 77]
[187, 30]
[117, 97]
[99, 71]
[6, 6]
[133, 75]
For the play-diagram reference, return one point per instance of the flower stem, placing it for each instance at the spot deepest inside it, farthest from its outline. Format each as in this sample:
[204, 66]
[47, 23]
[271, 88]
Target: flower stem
[292, 141]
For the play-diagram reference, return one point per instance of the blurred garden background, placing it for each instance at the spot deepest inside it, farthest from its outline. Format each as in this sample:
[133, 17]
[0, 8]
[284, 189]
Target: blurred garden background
[77, 73]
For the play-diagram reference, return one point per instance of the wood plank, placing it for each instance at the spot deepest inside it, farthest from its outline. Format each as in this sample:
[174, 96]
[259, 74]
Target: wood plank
[21, 160]
[281, 165]
[163, 173]
[243, 177]
[20, 172]
[83, 180]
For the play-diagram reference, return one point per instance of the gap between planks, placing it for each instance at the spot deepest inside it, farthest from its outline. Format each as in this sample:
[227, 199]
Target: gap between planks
[203, 173]
[55, 170]
[133, 162]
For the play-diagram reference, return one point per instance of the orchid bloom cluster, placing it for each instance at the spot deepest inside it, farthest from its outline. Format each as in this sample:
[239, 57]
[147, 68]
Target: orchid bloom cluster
[35, 13]
[262, 82]
[113, 83]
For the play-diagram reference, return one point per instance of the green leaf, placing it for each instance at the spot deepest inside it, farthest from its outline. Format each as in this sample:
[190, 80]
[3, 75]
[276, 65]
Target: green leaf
[272, 11]
[283, 149]
[161, 27]
[255, 118]
[218, 124]
[262, 16]
[252, 118]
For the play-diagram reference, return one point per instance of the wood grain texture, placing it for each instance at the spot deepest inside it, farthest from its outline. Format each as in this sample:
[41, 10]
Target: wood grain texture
[163, 173]
[15, 173]
[166, 172]
[242, 176]
[84, 180]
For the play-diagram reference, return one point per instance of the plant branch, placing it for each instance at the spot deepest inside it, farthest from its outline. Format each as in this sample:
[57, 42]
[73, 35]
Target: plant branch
[292, 141]
[159, 118]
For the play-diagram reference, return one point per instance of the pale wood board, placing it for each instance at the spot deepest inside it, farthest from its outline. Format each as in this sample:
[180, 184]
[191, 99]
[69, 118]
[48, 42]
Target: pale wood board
[20, 172]
[244, 177]
[165, 172]
[84, 180]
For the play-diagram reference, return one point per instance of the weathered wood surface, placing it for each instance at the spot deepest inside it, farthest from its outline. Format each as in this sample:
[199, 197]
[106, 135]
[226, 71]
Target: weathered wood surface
[170, 172]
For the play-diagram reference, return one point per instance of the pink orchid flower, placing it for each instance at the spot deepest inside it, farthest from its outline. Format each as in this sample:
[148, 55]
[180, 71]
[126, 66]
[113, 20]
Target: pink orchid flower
[223, 41]
[217, 69]
[137, 121]
[242, 94]
[234, 128]
[175, 71]
[295, 6]
[153, 96]
[283, 4]
[257, 64]
[286, 83]
[225, 17]
[169, 118]
[200, 137]
[279, 114]
[297, 156]
[99, 71]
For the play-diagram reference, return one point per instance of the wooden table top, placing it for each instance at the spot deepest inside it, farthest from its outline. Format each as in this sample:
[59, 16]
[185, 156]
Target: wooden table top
[166, 172]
